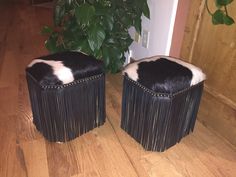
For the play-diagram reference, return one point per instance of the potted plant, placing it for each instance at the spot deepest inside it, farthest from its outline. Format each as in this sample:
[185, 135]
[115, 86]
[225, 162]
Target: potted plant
[96, 27]
[221, 15]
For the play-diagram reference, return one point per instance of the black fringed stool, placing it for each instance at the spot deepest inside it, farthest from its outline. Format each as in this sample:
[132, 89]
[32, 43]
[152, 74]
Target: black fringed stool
[161, 97]
[67, 93]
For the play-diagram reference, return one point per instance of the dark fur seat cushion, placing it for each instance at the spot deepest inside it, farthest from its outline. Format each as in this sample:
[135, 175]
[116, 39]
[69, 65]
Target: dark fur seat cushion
[63, 68]
[164, 74]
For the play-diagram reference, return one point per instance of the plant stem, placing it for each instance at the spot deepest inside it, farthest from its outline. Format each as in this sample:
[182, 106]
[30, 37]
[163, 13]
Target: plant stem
[226, 10]
[208, 10]
[77, 4]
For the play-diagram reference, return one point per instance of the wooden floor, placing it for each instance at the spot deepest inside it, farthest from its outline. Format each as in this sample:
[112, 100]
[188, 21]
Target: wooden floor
[104, 152]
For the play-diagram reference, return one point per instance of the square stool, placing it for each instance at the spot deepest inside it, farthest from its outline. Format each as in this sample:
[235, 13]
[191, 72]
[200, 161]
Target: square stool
[67, 94]
[161, 97]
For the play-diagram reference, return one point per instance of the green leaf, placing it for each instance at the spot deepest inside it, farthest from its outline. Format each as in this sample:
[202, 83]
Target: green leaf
[96, 36]
[127, 43]
[68, 34]
[91, 1]
[218, 17]
[59, 12]
[116, 53]
[101, 10]
[113, 58]
[111, 41]
[83, 46]
[97, 54]
[116, 64]
[228, 20]
[217, 5]
[47, 30]
[106, 56]
[84, 14]
[126, 20]
[223, 2]
[51, 45]
[137, 24]
[138, 3]
[108, 22]
[146, 11]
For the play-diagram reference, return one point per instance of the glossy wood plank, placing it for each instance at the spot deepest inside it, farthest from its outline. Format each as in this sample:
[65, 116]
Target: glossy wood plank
[213, 48]
[197, 155]
[35, 158]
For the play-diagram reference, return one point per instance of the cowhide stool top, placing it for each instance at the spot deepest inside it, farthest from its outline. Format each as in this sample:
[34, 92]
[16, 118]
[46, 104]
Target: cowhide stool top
[63, 68]
[164, 74]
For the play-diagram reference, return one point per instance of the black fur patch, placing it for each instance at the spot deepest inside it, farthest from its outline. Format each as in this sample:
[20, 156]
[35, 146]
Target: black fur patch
[80, 64]
[43, 73]
[163, 75]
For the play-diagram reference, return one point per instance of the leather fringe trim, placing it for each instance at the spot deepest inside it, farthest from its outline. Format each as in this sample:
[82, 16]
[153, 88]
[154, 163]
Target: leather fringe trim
[158, 121]
[62, 113]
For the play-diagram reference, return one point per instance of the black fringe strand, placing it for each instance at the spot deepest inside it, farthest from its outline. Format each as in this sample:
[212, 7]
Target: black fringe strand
[158, 121]
[62, 113]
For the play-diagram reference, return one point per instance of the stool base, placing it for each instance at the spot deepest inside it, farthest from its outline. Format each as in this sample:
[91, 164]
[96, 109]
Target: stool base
[158, 121]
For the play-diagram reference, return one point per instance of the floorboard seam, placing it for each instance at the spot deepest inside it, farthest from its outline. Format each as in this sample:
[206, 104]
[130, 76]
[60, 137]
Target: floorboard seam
[126, 153]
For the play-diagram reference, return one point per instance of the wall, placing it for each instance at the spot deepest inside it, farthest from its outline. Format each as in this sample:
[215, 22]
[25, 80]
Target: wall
[178, 33]
[162, 15]
[213, 48]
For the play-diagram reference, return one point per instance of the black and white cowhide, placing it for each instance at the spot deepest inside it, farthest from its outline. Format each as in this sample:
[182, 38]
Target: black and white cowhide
[164, 74]
[63, 68]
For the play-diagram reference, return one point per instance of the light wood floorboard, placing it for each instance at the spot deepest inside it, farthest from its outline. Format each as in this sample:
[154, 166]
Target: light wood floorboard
[106, 151]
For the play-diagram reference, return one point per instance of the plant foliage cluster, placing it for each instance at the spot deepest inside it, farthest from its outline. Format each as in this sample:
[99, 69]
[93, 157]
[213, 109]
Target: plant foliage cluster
[221, 15]
[96, 27]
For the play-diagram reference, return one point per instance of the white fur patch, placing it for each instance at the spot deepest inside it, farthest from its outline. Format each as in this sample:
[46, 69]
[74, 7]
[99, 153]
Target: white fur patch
[198, 75]
[131, 71]
[63, 73]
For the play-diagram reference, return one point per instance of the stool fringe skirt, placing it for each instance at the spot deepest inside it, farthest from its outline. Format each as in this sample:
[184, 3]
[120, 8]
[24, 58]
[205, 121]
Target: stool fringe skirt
[158, 120]
[63, 112]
